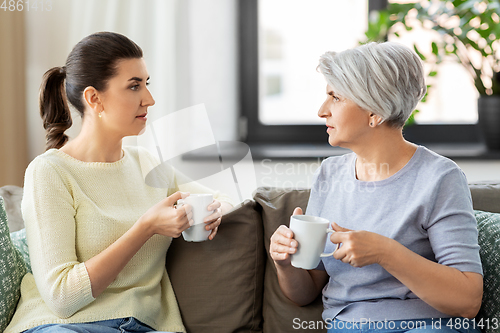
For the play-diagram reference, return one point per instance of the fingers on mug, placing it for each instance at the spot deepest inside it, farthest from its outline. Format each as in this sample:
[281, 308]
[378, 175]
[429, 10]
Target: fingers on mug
[324, 255]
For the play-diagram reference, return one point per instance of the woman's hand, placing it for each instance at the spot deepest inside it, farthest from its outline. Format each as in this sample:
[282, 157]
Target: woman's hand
[213, 221]
[359, 248]
[282, 243]
[299, 285]
[166, 219]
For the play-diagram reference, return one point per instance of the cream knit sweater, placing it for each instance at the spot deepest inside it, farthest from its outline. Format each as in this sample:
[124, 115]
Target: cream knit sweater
[73, 210]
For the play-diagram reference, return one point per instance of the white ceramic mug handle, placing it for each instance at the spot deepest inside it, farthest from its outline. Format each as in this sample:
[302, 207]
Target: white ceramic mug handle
[324, 255]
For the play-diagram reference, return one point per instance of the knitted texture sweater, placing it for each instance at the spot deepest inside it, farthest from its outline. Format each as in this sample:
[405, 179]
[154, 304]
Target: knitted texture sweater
[73, 210]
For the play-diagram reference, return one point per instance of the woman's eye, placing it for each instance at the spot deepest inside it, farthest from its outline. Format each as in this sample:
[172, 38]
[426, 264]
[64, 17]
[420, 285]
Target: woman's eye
[135, 87]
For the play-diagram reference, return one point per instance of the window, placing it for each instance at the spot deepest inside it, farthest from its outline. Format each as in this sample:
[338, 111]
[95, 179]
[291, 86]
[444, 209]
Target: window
[280, 90]
[453, 97]
[290, 90]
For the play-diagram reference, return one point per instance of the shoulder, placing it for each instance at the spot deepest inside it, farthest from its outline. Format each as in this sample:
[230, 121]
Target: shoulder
[48, 171]
[435, 160]
[439, 175]
[50, 161]
[434, 164]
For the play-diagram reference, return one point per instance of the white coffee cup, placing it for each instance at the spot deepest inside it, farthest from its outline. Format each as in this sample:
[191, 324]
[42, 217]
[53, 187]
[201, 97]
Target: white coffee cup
[311, 233]
[199, 203]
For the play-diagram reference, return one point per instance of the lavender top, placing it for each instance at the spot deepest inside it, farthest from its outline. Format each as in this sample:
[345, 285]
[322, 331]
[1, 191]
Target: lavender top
[426, 206]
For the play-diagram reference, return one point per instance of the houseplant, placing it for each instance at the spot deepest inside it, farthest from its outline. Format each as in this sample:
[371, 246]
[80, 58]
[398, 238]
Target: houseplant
[465, 30]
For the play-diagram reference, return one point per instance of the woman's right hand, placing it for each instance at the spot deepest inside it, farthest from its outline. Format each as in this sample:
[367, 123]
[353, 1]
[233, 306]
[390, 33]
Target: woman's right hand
[283, 244]
[166, 219]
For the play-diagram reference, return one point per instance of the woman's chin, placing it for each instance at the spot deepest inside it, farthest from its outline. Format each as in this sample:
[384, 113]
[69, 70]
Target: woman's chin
[333, 142]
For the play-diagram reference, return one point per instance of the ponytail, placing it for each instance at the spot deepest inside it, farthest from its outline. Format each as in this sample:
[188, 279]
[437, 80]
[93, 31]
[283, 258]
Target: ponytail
[54, 108]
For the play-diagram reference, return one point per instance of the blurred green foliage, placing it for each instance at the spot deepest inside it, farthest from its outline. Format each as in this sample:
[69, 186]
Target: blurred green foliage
[467, 31]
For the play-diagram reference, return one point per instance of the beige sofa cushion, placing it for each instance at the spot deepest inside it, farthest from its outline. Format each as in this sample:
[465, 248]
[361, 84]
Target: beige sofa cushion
[280, 314]
[219, 283]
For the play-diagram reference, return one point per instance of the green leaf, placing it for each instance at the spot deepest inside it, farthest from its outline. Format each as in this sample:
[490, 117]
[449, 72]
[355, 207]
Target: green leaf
[433, 73]
[435, 49]
[419, 53]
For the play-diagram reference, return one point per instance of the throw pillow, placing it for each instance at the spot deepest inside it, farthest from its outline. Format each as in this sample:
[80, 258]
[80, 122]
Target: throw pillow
[488, 225]
[12, 270]
[21, 243]
[219, 283]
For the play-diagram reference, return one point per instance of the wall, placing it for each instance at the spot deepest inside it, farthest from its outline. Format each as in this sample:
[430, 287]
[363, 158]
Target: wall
[13, 152]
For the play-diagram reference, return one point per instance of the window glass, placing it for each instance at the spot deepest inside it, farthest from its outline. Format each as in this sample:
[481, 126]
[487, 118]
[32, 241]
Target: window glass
[293, 34]
[452, 98]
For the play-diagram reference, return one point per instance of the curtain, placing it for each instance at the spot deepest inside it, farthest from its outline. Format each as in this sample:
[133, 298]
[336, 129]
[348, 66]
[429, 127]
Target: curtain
[190, 48]
[13, 143]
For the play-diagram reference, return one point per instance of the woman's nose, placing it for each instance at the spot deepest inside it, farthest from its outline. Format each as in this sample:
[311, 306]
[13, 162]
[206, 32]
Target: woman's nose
[323, 111]
[148, 99]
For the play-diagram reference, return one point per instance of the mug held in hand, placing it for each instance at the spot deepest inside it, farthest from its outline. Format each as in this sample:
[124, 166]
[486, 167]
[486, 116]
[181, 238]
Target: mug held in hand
[311, 233]
[199, 203]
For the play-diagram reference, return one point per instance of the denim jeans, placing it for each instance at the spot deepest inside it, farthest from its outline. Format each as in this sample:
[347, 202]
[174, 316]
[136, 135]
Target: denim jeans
[444, 325]
[122, 325]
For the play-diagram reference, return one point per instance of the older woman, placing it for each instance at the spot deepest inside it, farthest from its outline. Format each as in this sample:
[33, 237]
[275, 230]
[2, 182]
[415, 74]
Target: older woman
[403, 214]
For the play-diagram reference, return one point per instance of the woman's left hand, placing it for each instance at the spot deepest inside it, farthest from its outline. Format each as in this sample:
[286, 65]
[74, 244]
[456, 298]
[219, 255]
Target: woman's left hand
[359, 247]
[213, 221]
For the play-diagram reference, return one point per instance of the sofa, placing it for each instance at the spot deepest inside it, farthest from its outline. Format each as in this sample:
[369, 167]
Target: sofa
[230, 284]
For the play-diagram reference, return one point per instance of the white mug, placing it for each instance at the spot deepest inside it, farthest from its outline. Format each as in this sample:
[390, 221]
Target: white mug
[199, 203]
[311, 233]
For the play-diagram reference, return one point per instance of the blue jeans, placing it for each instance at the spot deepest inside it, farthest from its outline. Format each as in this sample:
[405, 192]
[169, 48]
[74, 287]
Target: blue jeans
[122, 325]
[444, 325]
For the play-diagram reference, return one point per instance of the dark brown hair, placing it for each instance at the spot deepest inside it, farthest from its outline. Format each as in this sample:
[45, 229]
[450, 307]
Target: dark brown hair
[92, 62]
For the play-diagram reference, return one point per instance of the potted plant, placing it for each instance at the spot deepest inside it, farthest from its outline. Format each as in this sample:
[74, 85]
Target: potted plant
[466, 30]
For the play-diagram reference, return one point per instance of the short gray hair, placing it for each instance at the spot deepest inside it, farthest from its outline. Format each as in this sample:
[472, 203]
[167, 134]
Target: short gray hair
[384, 78]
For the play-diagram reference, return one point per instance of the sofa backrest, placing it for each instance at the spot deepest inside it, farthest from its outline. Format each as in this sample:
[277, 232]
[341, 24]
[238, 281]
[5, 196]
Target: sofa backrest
[486, 196]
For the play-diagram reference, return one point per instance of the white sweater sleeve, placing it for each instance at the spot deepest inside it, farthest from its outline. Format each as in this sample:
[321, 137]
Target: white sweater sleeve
[49, 213]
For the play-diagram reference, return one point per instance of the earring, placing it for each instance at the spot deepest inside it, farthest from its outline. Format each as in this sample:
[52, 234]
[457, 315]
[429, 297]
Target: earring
[371, 124]
[100, 114]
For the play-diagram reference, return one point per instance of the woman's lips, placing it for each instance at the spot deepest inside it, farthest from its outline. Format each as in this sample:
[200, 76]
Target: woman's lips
[328, 129]
[143, 116]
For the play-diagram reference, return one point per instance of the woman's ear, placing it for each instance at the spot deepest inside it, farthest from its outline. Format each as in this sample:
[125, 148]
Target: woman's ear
[91, 96]
[375, 120]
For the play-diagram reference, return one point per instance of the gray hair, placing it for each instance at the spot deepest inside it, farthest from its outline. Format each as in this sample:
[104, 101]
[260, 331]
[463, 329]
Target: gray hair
[384, 78]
